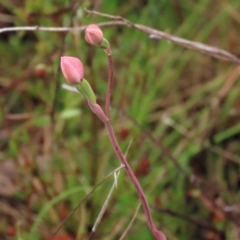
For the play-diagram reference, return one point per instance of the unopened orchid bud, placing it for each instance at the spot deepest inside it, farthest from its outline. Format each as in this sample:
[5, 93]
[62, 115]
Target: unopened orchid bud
[86, 90]
[93, 34]
[72, 69]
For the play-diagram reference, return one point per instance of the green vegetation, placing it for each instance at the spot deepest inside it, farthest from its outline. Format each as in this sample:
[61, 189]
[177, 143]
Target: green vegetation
[54, 150]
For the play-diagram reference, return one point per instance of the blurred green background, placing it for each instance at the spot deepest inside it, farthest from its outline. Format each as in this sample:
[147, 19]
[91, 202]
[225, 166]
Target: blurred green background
[53, 150]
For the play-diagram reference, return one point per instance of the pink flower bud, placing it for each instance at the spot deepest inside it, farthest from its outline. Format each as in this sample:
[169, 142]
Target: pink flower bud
[72, 69]
[93, 34]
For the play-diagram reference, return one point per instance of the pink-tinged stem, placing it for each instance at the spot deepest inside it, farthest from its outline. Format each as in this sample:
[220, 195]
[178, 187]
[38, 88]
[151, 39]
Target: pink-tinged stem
[99, 112]
[110, 82]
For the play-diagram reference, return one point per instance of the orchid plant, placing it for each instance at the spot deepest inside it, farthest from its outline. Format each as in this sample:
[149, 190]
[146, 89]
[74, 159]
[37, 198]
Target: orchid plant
[73, 71]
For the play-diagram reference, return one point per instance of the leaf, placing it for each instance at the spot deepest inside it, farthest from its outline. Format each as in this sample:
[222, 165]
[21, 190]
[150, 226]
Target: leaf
[13, 149]
[42, 121]
[70, 113]
[219, 137]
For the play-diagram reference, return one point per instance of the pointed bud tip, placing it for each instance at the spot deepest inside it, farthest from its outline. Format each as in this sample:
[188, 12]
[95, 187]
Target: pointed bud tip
[72, 69]
[93, 34]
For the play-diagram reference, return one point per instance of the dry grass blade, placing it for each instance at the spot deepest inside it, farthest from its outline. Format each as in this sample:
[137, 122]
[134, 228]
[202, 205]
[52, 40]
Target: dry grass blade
[56, 29]
[196, 46]
[131, 222]
[100, 215]
[153, 33]
[84, 199]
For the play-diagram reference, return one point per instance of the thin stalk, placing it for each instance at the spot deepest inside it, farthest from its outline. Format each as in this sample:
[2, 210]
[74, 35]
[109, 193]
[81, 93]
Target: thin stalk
[110, 82]
[101, 115]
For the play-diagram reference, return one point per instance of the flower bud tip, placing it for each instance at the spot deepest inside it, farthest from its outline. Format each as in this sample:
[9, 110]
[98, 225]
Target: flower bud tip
[93, 34]
[72, 69]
